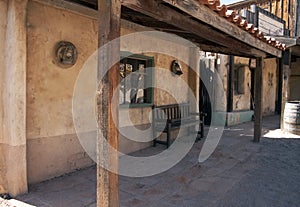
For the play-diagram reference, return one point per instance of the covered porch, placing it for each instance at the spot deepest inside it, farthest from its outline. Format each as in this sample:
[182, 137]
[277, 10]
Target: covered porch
[263, 174]
[205, 23]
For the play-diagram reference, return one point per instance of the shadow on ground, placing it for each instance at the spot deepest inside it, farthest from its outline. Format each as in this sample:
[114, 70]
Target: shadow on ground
[239, 173]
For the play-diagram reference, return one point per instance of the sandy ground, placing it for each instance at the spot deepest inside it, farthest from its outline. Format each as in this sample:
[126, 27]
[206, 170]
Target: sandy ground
[239, 173]
[275, 179]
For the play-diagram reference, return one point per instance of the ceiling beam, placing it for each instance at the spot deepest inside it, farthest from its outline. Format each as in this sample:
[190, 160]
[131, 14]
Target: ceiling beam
[172, 17]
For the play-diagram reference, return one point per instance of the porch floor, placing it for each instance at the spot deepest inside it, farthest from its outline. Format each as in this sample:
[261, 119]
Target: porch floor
[239, 173]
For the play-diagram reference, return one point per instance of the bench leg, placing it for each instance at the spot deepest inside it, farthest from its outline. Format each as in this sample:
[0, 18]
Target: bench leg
[202, 127]
[168, 134]
[154, 137]
[154, 143]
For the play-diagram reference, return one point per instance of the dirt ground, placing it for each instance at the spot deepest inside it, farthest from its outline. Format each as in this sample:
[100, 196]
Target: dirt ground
[239, 173]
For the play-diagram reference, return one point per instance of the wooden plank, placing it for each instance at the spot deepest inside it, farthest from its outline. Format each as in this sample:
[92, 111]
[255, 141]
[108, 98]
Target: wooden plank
[170, 16]
[285, 83]
[223, 50]
[208, 16]
[258, 89]
[109, 29]
[269, 25]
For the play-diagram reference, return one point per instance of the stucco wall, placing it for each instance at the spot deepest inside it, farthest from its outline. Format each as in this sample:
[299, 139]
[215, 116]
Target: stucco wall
[242, 101]
[295, 81]
[52, 145]
[167, 88]
[269, 86]
[3, 15]
[168, 50]
[221, 84]
[12, 96]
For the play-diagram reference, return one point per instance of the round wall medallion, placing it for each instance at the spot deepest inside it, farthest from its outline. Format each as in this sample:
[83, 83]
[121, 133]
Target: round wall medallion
[66, 54]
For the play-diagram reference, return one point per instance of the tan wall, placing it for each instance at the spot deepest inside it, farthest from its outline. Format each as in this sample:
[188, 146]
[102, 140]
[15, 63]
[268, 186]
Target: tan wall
[3, 15]
[221, 95]
[295, 81]
[53, 147]
[242, 101]
[12, 95]
[163, 78]
[169, 50]
[269, 86]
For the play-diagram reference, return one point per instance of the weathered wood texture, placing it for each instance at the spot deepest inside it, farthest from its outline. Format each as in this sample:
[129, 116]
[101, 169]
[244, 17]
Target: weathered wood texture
[258, 90]
[199, 24]
[285, 83]
[109, 29]
[287, 10]
[206, 15]
[230, 85]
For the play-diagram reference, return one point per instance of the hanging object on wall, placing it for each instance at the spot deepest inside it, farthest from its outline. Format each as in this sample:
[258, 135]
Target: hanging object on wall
[66, 54]
[176, 68]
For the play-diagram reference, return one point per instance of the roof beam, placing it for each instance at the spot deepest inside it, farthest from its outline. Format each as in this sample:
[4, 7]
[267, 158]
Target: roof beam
[168, 15]
[208, 16]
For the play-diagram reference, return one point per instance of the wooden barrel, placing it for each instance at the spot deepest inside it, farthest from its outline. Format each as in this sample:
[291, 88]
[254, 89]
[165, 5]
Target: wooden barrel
[292, 117]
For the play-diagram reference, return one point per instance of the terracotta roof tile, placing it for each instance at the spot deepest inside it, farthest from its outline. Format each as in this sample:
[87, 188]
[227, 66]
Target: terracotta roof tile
[231, 16]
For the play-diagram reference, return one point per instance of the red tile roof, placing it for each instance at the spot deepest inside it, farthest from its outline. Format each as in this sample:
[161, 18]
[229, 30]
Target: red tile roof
[231, 16]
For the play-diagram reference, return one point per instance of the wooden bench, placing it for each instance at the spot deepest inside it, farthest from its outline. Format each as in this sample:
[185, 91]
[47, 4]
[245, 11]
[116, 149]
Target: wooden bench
[174, 116]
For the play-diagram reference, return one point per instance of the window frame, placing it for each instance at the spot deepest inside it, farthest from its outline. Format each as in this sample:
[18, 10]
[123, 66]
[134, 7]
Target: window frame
[239, 79]
[150, 78]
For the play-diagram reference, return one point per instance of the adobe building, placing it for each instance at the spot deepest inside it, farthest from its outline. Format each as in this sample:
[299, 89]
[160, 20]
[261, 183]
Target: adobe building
[38, 140]
[236, 103]
[277, 19]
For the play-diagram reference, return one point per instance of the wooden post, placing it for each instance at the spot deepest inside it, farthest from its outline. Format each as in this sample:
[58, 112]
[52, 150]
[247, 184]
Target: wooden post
[285, 83]
[230, 88]
[258, 88]
[109, 29]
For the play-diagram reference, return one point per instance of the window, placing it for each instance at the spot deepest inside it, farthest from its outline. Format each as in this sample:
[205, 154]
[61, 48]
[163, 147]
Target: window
[136, 73]
[239, 80]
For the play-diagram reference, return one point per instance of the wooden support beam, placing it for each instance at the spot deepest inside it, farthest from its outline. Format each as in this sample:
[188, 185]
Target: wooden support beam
[109, 29]
[230, 85]
[208, 16]
[285, 83]
[232, 43]
[258, 90]
[279, 63]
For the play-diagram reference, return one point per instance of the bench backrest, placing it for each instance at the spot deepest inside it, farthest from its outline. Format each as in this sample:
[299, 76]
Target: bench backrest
[171, 111]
